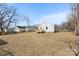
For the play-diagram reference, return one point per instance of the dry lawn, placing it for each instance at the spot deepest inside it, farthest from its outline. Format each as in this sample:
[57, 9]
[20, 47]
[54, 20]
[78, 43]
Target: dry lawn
[35, 44]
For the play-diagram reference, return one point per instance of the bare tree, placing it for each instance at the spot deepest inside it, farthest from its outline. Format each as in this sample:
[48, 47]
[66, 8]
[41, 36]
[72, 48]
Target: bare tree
[7, 16]
[72, 24]
[77, 18]
[63, 26]
[28, 22]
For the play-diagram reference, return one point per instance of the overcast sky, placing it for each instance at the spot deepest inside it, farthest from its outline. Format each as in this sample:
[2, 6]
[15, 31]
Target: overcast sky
[44, 12]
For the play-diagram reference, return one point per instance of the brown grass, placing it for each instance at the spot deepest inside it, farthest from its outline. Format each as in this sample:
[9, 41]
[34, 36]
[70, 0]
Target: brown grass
[36, 44]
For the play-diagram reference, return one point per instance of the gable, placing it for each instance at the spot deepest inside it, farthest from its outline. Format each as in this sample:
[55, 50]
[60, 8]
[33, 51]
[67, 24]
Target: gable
[47, 27]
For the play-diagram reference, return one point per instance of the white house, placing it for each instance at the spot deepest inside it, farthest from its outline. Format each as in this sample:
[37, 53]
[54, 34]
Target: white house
[20, 29]
[47, 27]
[16, 29]
[24, 28]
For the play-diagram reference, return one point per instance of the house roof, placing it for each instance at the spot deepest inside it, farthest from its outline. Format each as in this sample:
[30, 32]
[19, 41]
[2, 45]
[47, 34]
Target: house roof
[21, 26]
[26, 26]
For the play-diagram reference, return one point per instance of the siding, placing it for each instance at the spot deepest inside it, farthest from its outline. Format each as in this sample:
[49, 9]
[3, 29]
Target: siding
[47, 27]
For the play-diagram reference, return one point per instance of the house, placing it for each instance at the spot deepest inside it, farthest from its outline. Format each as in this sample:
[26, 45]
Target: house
[20, 29]
[46, 27]
[24, 29]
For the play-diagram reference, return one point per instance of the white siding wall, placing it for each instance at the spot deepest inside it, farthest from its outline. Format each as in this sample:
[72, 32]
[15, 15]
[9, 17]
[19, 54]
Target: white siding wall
[17, 29]
[50, 27]
[20, 29]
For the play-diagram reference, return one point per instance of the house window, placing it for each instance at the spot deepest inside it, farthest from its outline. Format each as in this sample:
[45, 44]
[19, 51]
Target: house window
[46, 28]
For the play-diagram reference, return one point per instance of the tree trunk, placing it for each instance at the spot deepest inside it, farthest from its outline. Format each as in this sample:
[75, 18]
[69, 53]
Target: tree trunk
[77, 20]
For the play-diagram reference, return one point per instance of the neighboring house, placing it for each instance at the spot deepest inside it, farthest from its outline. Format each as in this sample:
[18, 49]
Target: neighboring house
[24, 29]
[21, 29]
[16, 29]
[46, 27]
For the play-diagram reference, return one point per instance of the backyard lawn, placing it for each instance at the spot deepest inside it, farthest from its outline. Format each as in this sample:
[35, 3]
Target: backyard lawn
[38, 44]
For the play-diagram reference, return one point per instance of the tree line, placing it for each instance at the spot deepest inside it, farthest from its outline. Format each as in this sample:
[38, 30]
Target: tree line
[72, 23]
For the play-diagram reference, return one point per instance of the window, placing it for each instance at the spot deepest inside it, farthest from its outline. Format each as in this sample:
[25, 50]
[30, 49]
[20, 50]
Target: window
[46, 28]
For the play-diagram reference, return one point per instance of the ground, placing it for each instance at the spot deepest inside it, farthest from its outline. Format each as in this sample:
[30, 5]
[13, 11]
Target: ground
[38, 44]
